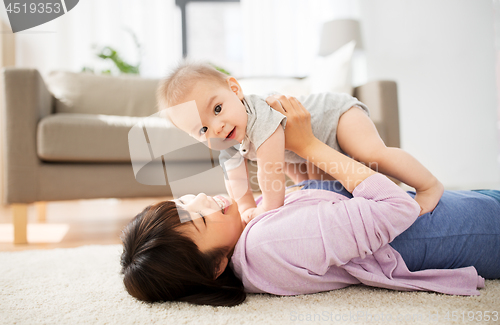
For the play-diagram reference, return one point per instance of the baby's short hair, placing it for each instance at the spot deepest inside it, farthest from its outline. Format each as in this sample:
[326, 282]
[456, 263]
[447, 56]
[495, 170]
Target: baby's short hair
[182, 78]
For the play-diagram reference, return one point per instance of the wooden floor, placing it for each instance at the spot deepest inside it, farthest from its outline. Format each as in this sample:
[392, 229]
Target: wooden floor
[88, 222]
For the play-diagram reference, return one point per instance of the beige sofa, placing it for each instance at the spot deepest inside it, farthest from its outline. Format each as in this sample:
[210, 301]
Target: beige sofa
[66, 137]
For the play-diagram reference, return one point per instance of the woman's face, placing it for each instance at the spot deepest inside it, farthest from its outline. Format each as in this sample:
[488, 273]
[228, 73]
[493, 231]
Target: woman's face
[214, 221]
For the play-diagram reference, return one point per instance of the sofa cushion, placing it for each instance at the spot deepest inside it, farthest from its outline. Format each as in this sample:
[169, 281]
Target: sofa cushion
[88, 93]
[68, 137]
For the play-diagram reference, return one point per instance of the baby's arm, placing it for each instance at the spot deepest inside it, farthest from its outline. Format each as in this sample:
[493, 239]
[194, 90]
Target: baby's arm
[358, 137]
[238, 188]
[270, 163]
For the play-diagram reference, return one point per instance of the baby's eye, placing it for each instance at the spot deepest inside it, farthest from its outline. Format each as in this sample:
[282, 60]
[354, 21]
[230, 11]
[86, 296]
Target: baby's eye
[217, 109]
[203, 130]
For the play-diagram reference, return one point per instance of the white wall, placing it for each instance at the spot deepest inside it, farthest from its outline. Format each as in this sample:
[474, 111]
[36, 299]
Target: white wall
[442, 55]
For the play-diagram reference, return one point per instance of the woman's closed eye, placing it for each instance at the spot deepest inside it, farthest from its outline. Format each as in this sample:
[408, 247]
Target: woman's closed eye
[199, 212]
[202, 217]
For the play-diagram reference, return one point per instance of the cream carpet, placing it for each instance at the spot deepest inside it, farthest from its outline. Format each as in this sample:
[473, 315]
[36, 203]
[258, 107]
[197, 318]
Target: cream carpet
[83, 286]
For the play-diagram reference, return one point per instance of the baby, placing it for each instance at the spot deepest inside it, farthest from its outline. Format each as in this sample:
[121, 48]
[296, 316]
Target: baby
[246, 126]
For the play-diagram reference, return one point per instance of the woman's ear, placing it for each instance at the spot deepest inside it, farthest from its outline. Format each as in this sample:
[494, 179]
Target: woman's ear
[235, 87]
[222, 267]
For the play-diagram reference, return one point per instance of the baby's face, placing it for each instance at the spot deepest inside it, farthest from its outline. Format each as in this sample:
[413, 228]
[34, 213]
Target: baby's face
[220, 117]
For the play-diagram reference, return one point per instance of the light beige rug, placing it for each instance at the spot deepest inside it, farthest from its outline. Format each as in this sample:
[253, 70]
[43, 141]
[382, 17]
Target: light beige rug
[83, 286]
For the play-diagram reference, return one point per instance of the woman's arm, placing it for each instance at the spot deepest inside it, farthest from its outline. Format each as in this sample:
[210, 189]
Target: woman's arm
[300, 139]
[381, 207]
[379, 210]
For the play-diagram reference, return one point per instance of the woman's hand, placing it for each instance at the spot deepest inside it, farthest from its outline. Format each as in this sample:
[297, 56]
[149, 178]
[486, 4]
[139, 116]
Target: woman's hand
[298, 132]
[300, 139]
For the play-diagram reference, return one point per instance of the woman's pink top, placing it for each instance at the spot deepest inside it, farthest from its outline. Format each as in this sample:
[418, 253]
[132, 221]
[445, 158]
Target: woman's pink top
[320, 240]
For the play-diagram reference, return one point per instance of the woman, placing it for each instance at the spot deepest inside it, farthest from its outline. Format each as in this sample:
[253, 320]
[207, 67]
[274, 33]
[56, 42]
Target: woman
[318, 241]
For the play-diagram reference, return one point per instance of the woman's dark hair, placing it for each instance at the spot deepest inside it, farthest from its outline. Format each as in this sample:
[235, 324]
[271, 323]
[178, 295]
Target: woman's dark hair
[159, 263]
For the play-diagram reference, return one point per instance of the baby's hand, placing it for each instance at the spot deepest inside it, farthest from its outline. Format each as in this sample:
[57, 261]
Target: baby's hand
[251, 213]
[246, 216]
[429, 198]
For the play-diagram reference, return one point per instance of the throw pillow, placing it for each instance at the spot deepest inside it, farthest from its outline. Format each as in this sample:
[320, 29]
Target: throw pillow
[333, 72]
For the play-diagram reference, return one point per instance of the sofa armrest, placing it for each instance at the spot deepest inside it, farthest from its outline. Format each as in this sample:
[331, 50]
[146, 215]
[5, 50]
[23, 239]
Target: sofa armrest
[26, 100]
[381, 97]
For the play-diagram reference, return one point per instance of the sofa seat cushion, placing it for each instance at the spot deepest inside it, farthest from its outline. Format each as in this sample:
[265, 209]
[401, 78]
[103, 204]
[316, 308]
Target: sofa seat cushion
[67, 137]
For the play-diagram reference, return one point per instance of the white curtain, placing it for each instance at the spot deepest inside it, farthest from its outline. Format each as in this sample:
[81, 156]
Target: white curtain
[281, 37]
[278, 37]
[66, 42]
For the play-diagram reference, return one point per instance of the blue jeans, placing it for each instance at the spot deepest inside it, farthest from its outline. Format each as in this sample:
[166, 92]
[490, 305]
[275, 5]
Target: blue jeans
[463, 230]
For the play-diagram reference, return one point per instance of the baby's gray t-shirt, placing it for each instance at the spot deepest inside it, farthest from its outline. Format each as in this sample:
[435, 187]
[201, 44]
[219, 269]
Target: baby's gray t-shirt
[325, 108]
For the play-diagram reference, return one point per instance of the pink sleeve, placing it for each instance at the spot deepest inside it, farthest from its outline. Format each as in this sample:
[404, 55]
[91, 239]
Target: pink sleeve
[379, 211]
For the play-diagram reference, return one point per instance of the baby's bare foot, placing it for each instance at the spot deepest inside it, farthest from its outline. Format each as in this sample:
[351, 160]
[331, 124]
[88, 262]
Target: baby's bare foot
[428, 199]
